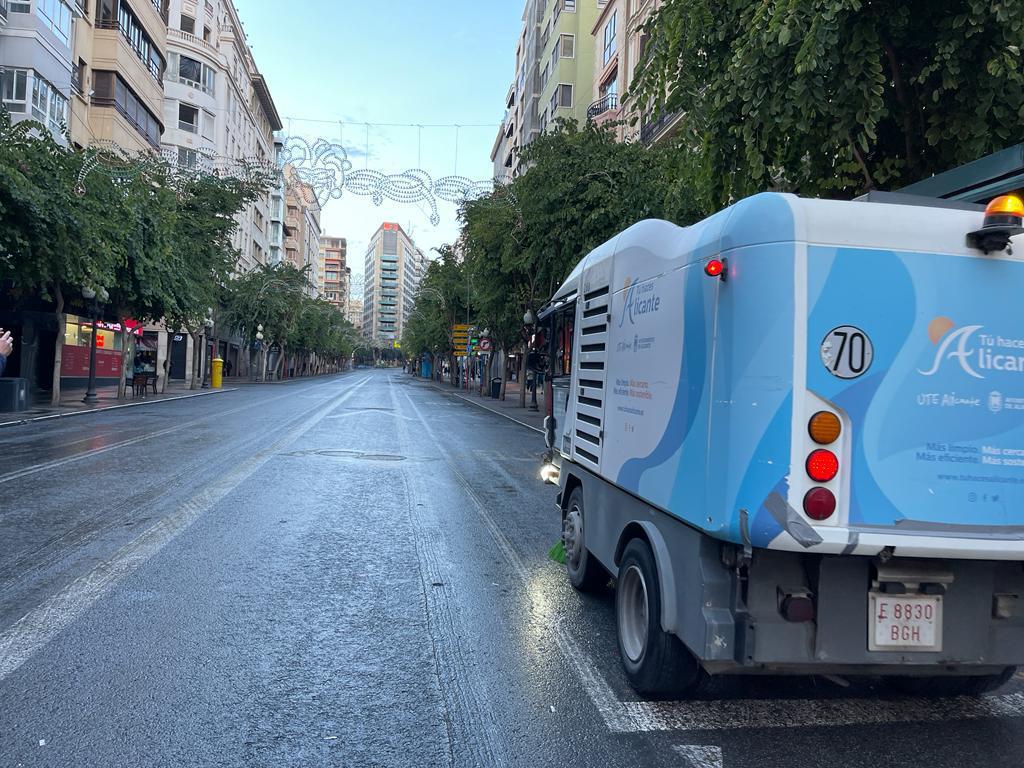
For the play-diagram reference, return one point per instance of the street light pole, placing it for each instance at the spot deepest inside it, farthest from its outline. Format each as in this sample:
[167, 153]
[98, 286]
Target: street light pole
[94, 310]
[531, 320]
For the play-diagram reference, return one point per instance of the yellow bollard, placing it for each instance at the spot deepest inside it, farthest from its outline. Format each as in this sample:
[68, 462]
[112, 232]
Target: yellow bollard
[217, 374]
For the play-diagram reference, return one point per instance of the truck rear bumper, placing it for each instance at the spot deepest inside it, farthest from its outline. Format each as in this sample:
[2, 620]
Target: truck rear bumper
[955, 541]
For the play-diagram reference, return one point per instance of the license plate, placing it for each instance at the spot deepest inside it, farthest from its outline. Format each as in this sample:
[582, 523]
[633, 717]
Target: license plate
[904, 623]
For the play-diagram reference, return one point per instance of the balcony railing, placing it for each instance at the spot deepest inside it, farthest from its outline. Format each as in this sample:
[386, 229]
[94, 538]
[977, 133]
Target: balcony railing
[3, 11]
[188, 37]
[599, 107]
[76, 79]
[653, 130]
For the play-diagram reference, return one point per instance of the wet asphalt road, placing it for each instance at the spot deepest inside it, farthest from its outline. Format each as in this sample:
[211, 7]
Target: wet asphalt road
[353, 571]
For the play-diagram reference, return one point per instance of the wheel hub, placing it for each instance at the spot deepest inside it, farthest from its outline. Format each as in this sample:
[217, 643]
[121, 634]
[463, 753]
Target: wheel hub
[633, 613]
[572, 536]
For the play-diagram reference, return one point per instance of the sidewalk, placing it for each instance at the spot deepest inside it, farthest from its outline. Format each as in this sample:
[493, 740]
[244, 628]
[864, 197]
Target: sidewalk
[509, 407]
[71, 402]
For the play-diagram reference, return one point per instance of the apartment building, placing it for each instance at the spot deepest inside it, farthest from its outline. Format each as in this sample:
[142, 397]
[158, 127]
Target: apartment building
[334, 272]
[394, 267]
[276, 253]
[521, 125]
[302, 231]
[36, 61]
[354, 314]
[119, 59]
[619, 44]
[218, 109]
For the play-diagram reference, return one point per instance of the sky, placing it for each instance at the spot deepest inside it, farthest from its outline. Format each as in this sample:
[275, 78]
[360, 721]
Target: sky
[407, 62]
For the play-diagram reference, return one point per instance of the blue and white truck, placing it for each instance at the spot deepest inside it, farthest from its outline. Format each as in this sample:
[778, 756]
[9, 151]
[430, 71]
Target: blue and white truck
[793, 433]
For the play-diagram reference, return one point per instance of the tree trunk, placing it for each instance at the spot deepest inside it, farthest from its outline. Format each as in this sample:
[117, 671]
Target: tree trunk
[58, 352]
[197, 358]
[126, 342]
[522, 380]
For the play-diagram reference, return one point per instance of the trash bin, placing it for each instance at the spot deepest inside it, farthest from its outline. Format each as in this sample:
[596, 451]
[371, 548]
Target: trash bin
[496, 387]
[13, 395]
[217, 374]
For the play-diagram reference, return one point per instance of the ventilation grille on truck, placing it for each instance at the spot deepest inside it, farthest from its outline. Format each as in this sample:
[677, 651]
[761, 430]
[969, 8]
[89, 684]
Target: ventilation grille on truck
[591, 381]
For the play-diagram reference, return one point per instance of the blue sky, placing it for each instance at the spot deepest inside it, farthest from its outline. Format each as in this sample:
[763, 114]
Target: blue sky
[420, 62]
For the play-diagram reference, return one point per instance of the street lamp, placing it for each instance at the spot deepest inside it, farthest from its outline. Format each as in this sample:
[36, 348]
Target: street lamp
[208, 324]
[94, 300]
[530, 320]
[263, 366]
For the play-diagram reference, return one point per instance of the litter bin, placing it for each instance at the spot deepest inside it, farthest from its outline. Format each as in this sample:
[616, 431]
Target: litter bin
[13, 395]
[496, 388]
[217, 375]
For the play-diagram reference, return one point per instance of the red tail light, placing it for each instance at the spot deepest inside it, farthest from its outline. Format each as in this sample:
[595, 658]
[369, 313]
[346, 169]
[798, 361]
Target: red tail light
[822, 466]
[819, 503]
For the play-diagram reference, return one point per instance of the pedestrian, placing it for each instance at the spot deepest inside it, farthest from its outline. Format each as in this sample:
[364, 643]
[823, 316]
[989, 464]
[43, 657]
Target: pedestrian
[227, 367]
[6, 347]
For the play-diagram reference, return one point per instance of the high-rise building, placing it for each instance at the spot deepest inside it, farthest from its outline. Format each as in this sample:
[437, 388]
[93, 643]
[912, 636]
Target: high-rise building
[334, 271]
[393, 270]
[619, 46]
[119, 58]
[36, 61]
[218, 108]
[521, 124]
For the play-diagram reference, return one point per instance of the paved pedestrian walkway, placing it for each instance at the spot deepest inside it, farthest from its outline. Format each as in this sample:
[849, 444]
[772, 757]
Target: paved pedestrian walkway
[509, 407]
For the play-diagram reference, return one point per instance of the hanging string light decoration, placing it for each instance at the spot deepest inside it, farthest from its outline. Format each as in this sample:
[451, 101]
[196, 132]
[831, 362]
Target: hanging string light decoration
[317, 171]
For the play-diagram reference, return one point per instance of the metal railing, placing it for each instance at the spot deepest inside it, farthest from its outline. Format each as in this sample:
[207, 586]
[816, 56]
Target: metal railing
[606, 104]
[651, 131]
[3, 11]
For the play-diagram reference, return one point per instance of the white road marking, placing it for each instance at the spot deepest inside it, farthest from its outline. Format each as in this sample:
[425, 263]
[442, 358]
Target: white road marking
[700, 756]
[642, 716]
[38, 627]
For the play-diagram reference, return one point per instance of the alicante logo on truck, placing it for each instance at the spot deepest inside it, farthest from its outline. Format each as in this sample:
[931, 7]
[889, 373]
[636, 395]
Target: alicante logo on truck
[973, 350]
[640, 300]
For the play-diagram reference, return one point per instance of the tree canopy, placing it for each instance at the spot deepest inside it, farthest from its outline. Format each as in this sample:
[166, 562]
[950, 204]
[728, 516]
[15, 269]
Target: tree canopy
[832, 97]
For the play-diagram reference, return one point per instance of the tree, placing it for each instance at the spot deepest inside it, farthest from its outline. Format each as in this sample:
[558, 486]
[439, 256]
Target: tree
[441, 303]
[832, 97]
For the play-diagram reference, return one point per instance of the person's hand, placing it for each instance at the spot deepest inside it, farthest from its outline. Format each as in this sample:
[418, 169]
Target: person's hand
[6, 344]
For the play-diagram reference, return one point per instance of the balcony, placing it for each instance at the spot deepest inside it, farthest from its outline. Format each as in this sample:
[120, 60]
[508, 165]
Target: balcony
[660, 128]
[599, 107]
[198, 42]
[3, 12]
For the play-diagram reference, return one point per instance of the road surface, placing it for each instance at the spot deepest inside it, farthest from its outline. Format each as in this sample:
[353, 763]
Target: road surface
[353, 571]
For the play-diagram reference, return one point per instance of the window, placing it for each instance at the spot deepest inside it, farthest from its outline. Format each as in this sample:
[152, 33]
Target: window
[209, 125]
[206, 34]
[133, 32]
[188, 24]
[562, 97]
[48, 104]
[188, 118]
[112, 91]
[16, 6]
[187, 158]
[57, 16]
[14, 90]
[567, 44]
[194, 73]
[609, 37]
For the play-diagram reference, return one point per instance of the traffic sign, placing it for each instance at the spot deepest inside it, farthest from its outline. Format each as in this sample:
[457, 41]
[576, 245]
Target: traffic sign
[485, 345]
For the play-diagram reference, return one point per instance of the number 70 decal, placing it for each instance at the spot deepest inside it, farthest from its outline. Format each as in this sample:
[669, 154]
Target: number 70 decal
[847, 352]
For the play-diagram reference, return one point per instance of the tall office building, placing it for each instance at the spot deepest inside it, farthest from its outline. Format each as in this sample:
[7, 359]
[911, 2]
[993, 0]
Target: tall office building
[394, 267]
[218, 107]
[334, 271]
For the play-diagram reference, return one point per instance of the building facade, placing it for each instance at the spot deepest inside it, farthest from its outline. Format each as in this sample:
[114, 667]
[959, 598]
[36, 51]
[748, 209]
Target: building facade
[334, 272]
[354, 314]
[218, 109]
[36, 39]
[619, 42]
[119, 55]
[393, 269]
[521, 124]
[302, 230]
[566, 51]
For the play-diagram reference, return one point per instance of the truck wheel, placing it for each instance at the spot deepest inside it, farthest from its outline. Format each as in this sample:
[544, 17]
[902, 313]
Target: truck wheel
[585, 573]
[656, 662]
[969, 685]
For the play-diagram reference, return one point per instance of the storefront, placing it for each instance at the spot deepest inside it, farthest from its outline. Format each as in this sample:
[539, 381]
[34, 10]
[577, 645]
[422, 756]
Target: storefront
[110, 340]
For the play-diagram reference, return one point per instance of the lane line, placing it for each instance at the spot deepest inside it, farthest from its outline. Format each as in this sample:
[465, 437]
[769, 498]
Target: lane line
[42, 624]
[489, 410]
[642, 716]
[700, 756]
[36, 468]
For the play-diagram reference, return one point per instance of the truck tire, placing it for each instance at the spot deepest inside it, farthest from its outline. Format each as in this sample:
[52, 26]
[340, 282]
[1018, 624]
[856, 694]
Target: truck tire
[586, 574]
[656, 662]
[940, 686]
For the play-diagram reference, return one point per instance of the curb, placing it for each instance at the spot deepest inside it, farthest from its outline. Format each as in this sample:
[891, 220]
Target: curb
[86, 412]
[486, 408]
